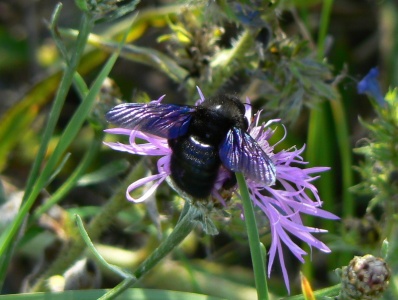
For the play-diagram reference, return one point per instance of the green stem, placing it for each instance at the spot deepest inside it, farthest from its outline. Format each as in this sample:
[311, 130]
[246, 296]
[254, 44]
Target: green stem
[67, 137]
[323, 28]
[319, 136]
[180, 232]
[80, 85]
[90, 245]
[66, 81]
[55, 34]
[70, 183]
[10, 233]
[341, 131]
[142, 55]
[90, 154]
[95, 228]
[343, 140]
[258, 259]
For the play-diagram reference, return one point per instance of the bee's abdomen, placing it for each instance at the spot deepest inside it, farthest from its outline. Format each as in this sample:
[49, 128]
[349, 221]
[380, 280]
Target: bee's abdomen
[194, 165]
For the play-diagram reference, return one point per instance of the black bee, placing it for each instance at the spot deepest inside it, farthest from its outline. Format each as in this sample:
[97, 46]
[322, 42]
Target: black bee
[202, 138]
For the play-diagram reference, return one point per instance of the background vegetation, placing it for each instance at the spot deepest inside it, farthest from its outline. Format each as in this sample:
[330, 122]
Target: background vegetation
[298, 60]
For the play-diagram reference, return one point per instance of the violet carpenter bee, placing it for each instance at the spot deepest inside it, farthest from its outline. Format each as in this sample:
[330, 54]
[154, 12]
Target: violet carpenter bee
[202, 138]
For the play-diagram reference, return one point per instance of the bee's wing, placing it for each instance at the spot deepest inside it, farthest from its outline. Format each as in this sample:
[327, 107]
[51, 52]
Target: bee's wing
[239, 152]
[163, 120]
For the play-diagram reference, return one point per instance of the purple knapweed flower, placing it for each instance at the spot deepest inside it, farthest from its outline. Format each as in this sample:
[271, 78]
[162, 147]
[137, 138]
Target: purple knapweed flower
[370, 86]
[283, 203]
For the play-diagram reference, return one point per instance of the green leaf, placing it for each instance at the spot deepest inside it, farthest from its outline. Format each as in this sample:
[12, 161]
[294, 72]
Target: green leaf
[136, 294]
[100, 259]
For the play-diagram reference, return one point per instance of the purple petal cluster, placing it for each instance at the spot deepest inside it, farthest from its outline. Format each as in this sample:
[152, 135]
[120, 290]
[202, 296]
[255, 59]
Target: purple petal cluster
[282, 203]
[152, 146]
[285, 202]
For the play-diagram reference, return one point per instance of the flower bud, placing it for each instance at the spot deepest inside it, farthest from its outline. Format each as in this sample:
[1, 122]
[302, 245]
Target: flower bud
[365, 278]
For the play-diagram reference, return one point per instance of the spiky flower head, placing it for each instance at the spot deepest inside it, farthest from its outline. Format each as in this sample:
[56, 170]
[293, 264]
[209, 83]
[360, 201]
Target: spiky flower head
[283, 202]
[365, 278]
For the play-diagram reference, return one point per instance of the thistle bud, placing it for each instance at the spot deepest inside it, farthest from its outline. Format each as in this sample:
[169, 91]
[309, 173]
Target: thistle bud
[365, 278]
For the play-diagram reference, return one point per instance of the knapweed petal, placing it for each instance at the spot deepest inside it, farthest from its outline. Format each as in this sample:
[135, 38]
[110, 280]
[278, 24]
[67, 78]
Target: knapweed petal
[141, 143]
[284, 202]
[157, 179]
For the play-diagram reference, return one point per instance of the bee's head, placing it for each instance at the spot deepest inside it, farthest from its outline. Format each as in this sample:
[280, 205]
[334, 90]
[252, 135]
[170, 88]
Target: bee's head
[228, 107]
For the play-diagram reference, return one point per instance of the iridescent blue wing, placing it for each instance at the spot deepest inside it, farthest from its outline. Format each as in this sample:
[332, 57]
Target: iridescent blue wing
[163, 120]
[239, 152]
